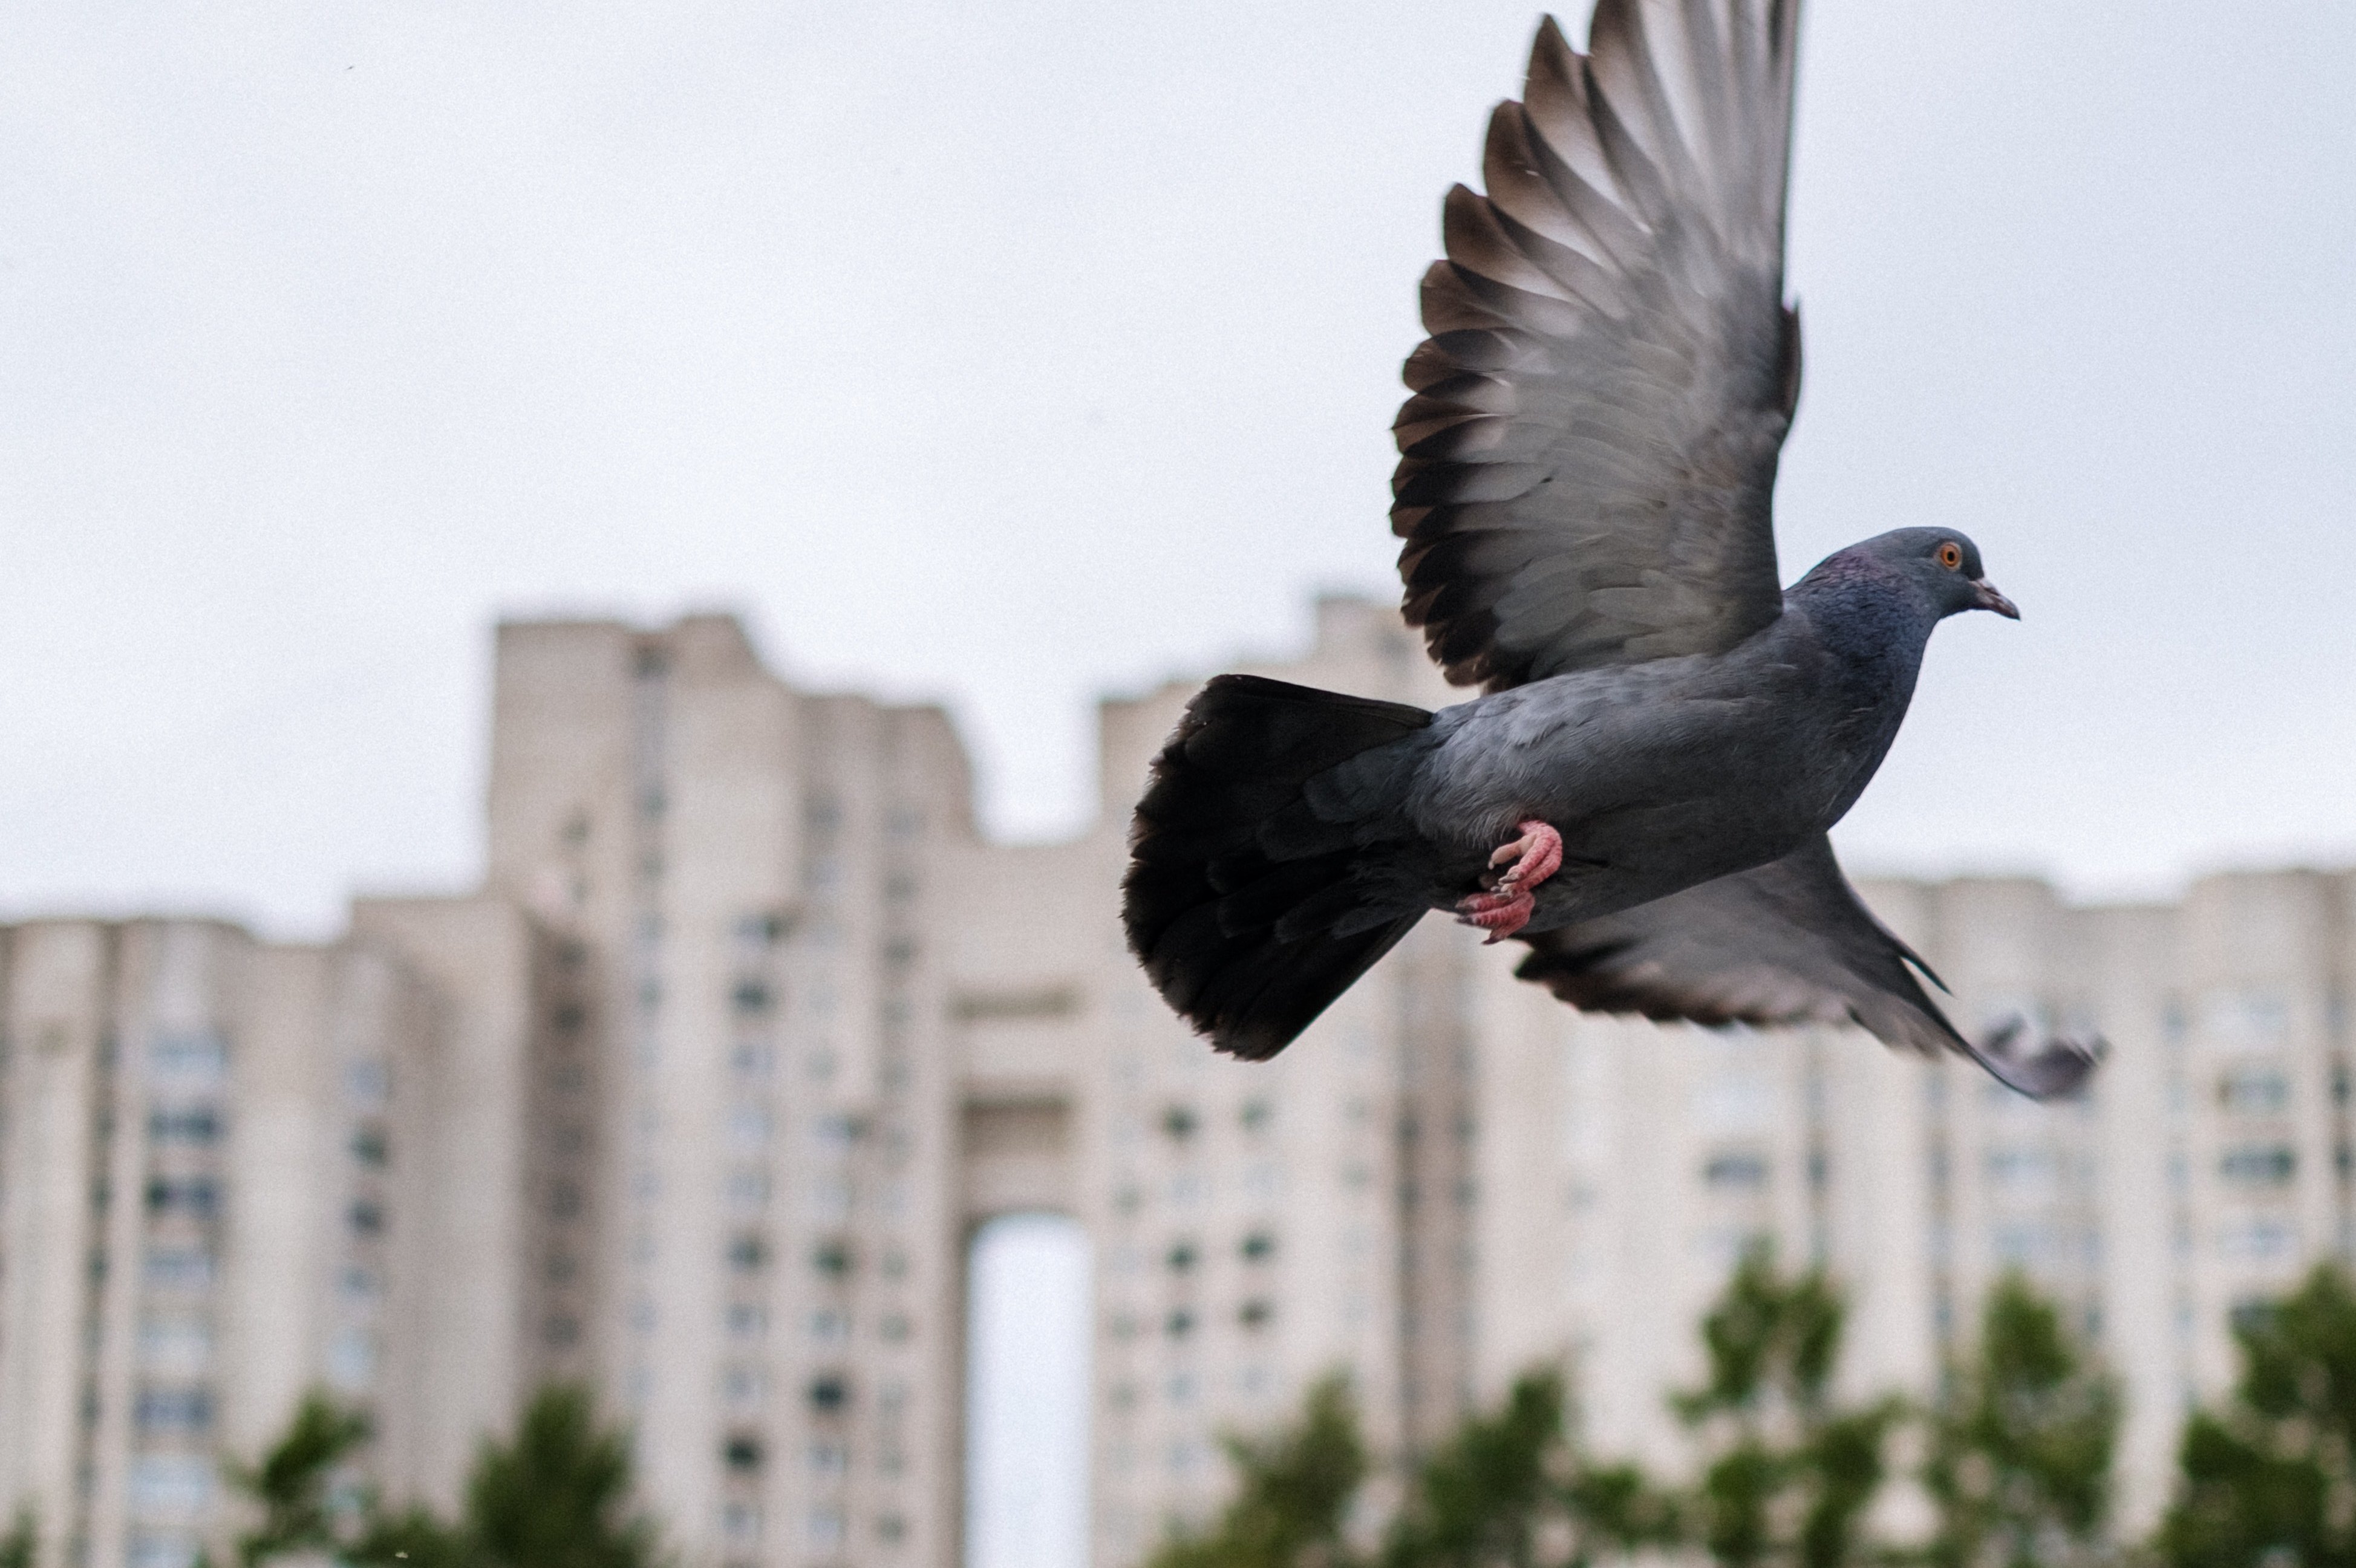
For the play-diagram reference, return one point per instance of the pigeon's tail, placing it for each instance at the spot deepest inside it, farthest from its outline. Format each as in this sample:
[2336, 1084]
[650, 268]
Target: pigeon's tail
[1246, 905]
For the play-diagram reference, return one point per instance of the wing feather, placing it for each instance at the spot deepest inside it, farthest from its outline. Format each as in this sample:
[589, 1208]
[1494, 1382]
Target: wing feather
[1610, 369]
[1788, 942]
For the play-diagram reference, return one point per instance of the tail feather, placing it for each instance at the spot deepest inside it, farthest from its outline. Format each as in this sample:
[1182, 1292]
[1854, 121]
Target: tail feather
[1247, 943]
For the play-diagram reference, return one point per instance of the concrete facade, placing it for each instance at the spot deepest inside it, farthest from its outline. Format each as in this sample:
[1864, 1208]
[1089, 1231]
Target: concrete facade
[703, 1096]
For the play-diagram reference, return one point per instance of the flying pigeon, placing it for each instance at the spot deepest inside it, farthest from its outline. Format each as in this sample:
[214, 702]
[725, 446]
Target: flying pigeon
[1586, 470]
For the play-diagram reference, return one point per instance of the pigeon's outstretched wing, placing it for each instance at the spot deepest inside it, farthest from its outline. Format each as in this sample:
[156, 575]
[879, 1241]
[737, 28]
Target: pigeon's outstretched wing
[1788, 942]
[1587, 464]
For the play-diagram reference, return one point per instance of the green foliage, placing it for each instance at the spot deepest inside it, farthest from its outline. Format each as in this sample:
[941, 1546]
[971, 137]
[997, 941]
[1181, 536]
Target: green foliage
[557, 1496]
[1292, 1496]
[2271, 1478]
[20, 1548]
[291, 1487]
[413, 1538]
[1481, 1497]
[560, 1495]
[2020, 1444]
[1790, 1472]
[1511, 1490]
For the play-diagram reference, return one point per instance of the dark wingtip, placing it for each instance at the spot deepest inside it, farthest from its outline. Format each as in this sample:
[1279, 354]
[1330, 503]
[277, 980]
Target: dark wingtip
[2059, 1068]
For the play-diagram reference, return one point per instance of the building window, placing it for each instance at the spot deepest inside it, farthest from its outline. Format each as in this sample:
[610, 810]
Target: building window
[149, 1551]
[828, 1197]
[1742, 1171]
[2263, 1240]
[187, 1410]
[1180, 1323]
[196, 1198]
[198, 1124]
[2255, 1091]
[188, 1060]
[1182, 1258]
[371, 1146]
[2034, 1172]
[352, 1360]
[1180, 1122]
[368, 1083]
[1259, 1247]
[2258, 1164]
[741, 1452]
[170, 1344]
[747, 1254]
[1256, 1314]
[828, 1393]
[179, 1268]
[833, 1258]
[2245, 1019]
[762, 928]
[170, 1484]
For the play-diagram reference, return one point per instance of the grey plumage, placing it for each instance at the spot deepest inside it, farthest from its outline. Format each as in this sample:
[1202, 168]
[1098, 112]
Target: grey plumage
[1586, 465]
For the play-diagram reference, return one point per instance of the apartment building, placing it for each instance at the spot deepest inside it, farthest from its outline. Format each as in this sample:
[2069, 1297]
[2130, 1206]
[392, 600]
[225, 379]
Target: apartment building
[702, 1096]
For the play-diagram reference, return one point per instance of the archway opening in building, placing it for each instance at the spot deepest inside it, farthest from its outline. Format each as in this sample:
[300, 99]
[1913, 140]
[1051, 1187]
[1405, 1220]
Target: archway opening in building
[1026, 1456]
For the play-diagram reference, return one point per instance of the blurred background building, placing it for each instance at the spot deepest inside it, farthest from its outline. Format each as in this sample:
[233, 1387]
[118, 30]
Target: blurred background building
[702, 1098]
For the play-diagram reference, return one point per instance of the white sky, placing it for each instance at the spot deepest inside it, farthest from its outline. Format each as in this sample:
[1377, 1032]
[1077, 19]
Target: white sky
[1007, 353]
[1027, 1343]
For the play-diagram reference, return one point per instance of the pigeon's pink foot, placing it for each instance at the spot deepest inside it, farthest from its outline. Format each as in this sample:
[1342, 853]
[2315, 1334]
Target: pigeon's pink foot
[1528, 860]
[1534, 855]
[1500, 914]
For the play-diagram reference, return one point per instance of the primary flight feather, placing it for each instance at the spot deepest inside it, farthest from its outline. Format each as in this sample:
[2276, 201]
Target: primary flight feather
[1587, 468]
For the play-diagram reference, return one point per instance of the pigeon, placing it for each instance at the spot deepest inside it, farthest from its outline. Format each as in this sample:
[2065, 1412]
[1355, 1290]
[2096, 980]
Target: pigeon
[1664, 735]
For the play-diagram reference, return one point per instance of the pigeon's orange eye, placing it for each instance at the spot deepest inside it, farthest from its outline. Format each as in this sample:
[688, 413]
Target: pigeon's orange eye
[1950, 555]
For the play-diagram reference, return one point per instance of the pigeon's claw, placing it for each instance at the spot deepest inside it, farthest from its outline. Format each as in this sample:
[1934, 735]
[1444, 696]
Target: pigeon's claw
[1534, 855]
[1500, 913]
[1508, 905]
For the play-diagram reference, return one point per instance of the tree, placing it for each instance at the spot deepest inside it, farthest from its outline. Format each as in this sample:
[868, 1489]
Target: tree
[1292, 1496]
[1512, 1491]
[1793, 1472]
[293, 1485]
[559, 1497]
[20, 1548]
[2020, 1444]
[413, 1538]
[1482, 1497]
[2271, 1478]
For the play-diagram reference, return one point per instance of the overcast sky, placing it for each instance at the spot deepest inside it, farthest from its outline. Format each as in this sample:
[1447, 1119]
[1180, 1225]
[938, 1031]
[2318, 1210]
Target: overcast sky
[1009, 354]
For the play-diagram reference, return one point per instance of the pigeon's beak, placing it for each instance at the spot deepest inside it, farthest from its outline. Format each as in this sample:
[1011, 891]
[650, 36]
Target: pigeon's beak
[1985, 597]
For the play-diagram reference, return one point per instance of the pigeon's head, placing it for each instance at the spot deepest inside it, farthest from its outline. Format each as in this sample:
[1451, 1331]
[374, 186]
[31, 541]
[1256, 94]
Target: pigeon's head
[1943, 567]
